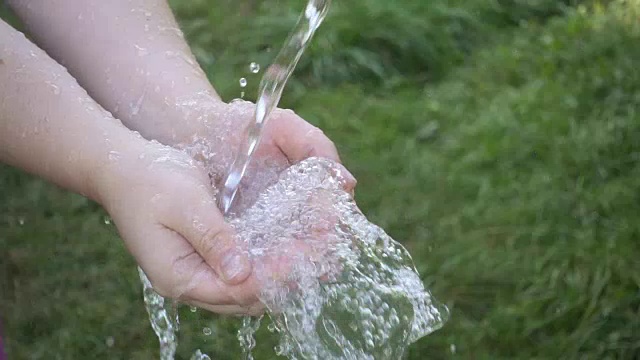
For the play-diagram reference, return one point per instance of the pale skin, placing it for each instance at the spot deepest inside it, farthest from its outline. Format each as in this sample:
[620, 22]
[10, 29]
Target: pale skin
[132, 60]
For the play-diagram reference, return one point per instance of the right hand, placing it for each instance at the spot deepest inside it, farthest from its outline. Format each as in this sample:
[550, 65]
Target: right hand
[164, 207]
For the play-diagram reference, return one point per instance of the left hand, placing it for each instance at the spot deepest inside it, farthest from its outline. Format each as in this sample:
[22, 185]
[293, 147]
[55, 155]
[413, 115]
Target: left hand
[286, 139]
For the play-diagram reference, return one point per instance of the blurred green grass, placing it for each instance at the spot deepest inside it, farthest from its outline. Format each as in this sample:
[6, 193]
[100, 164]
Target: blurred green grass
[499, 140]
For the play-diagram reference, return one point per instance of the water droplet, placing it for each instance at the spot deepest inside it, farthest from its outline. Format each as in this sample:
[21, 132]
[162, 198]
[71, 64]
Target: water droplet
[242, 95]
[198, 355]
[243, 82]
[21, 221]
[452, 348]
[140, 50]
[110, 341]
[206, 331]
[193, 309]
[255, 68]
[114, 155]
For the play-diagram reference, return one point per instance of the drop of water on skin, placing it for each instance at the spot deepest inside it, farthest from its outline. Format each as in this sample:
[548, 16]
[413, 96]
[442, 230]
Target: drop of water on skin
[140, 50]
[254, 68]
[114, 155]
[243, 82]
[206, 331]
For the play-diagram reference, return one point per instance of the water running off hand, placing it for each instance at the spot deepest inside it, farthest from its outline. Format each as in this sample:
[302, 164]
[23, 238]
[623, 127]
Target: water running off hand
[335, 285]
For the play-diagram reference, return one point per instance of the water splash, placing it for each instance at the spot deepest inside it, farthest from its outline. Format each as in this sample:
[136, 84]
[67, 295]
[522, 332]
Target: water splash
[246, 335]
[336, 286]
[163, 316]
[271, 88]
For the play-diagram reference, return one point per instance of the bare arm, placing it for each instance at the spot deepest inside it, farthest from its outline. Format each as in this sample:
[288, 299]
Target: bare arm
[48, 124]
[160, 200]
[130, 56]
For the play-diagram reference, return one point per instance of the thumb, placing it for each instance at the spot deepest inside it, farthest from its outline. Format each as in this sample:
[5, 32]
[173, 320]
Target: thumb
[201, 223]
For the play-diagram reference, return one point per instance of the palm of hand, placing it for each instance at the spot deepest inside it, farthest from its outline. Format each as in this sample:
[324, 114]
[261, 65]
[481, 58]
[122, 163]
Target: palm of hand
[183, 237]
[286, 139]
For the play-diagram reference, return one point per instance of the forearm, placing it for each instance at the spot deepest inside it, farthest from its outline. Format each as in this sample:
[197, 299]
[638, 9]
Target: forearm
[48, 124]
[131, 57]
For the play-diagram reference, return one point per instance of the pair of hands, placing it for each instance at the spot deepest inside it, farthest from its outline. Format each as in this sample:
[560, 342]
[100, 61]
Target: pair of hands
[164, 206]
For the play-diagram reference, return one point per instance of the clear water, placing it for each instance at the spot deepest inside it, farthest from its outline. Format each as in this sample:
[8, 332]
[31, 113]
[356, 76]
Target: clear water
[270, 91]
[335, 285]
[163, 316]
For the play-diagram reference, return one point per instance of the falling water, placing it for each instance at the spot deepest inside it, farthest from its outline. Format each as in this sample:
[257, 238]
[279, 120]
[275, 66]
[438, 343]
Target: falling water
[335, 285]
[163, 316]
[271, 87]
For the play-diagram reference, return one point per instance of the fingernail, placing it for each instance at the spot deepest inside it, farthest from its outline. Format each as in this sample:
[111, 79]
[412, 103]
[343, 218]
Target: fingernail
[234, 266]
[349, 177]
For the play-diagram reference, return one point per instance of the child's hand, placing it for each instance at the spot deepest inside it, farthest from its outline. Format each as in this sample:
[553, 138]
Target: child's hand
[164, 207]
[286, 139]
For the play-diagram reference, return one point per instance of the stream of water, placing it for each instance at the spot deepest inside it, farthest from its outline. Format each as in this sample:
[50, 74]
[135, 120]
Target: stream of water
[270, 91]
[335, 285]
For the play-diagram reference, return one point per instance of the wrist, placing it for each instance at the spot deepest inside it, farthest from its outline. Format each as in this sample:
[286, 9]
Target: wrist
[112, 166]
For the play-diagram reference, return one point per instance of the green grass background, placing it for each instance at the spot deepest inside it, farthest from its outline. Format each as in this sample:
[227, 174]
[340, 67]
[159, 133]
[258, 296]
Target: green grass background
[499, 140]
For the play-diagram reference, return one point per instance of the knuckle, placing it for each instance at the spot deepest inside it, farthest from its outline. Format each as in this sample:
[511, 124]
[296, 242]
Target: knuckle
[213, 242]
[162, 288]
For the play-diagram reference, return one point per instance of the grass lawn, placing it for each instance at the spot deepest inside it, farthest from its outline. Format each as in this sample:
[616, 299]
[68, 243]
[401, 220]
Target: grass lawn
[498, 140]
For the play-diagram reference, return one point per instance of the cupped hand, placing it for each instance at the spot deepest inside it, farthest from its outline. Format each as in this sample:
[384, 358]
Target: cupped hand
[164, 207]
[287, 139]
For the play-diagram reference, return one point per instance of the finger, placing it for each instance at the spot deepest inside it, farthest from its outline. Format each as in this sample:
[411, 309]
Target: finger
[177, 271]
[207, 288]
[349, 181]
[198, 219]
[299, 140]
